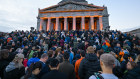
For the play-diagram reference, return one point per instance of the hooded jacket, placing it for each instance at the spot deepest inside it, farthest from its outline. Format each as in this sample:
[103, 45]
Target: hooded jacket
[32, 60]
[88, 66]
[12, 72]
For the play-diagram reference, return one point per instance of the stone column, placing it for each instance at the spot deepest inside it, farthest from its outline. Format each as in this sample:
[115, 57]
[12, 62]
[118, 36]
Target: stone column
[49, 24]
[101, 23]
[57, 24]
[65, 24]
[92, 22]
[83, 23]
[74, 23]
[41, 24]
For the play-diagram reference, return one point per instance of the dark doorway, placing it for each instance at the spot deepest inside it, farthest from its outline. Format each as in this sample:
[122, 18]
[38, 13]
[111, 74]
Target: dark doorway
[70, 24]
[78, 23]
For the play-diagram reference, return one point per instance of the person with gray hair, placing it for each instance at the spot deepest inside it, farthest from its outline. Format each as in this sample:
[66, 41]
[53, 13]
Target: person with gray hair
[45, 68]
[107, 62]
[15, 69]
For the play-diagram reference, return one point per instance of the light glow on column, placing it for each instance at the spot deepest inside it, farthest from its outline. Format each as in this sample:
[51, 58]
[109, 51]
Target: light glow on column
[57, 24]
[49, 24]
[83, 22]
[65, 23]
[92, 22]
[101, 23]
[41, 24]
[74, 23]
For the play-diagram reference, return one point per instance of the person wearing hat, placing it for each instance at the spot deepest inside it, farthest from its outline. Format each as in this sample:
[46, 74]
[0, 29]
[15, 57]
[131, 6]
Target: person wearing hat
[89, 64]
[15, 69]
[107, 62]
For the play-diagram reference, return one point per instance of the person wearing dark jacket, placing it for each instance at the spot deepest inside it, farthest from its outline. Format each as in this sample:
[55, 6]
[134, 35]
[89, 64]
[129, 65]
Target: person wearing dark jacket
[89, 65]
[54, 73]
[133, 73]
[33, 70]
[45, 68]
[3, 61]
[11, 53]
[66, 67]
[15, 69]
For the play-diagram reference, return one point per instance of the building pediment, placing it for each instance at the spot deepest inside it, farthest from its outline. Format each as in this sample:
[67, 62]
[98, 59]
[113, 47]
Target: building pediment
[70, 6]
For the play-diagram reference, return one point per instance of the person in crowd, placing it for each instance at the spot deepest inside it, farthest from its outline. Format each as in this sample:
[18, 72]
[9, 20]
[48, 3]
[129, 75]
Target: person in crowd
[125, 46]
[71, 55]
[32, 51]
[45, 68]
[4, 53]
[54, 73]
[130, 73]
[77, 64]
[117, 63]
[15, 69]
[107, 63]
[50, 56]
[89, 65]
[58, 54]
[66, 67]
[11, 53]
[99, 53]
[34, 59]
[33, 70]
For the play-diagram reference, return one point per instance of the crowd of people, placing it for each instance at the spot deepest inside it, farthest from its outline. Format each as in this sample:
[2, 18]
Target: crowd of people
[69, 55]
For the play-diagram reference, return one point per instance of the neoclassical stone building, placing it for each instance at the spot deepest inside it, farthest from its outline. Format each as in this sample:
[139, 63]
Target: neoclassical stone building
[73, 15]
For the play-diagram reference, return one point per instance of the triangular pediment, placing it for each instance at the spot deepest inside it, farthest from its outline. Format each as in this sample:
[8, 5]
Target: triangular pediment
[71, 6]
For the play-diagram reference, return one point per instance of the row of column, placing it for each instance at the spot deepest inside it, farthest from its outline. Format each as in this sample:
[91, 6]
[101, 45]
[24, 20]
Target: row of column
[74, 23]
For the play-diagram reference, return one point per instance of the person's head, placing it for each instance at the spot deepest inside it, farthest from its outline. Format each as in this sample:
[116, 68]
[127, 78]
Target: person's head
[82, 53]
[18, 60]
[44, 57]
[4, 54]
[90, 49]
[50, 53]
[35, 54]
[26, 47]
[66, 55]
[54, 64]
[131, 65]
[99, 53]
[58, 50]
[33, 48]
[34, 69]
[107, 61]
[118, 45]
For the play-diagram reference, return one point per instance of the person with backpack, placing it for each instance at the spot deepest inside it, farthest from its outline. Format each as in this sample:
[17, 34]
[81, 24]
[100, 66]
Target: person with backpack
[107, 62]
[89, 64]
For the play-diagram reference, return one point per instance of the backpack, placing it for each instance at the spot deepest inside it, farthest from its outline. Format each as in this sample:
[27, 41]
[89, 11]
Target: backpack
[98, 76]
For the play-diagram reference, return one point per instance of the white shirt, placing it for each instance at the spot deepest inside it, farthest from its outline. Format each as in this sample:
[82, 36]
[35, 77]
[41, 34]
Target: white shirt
[105, 76]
